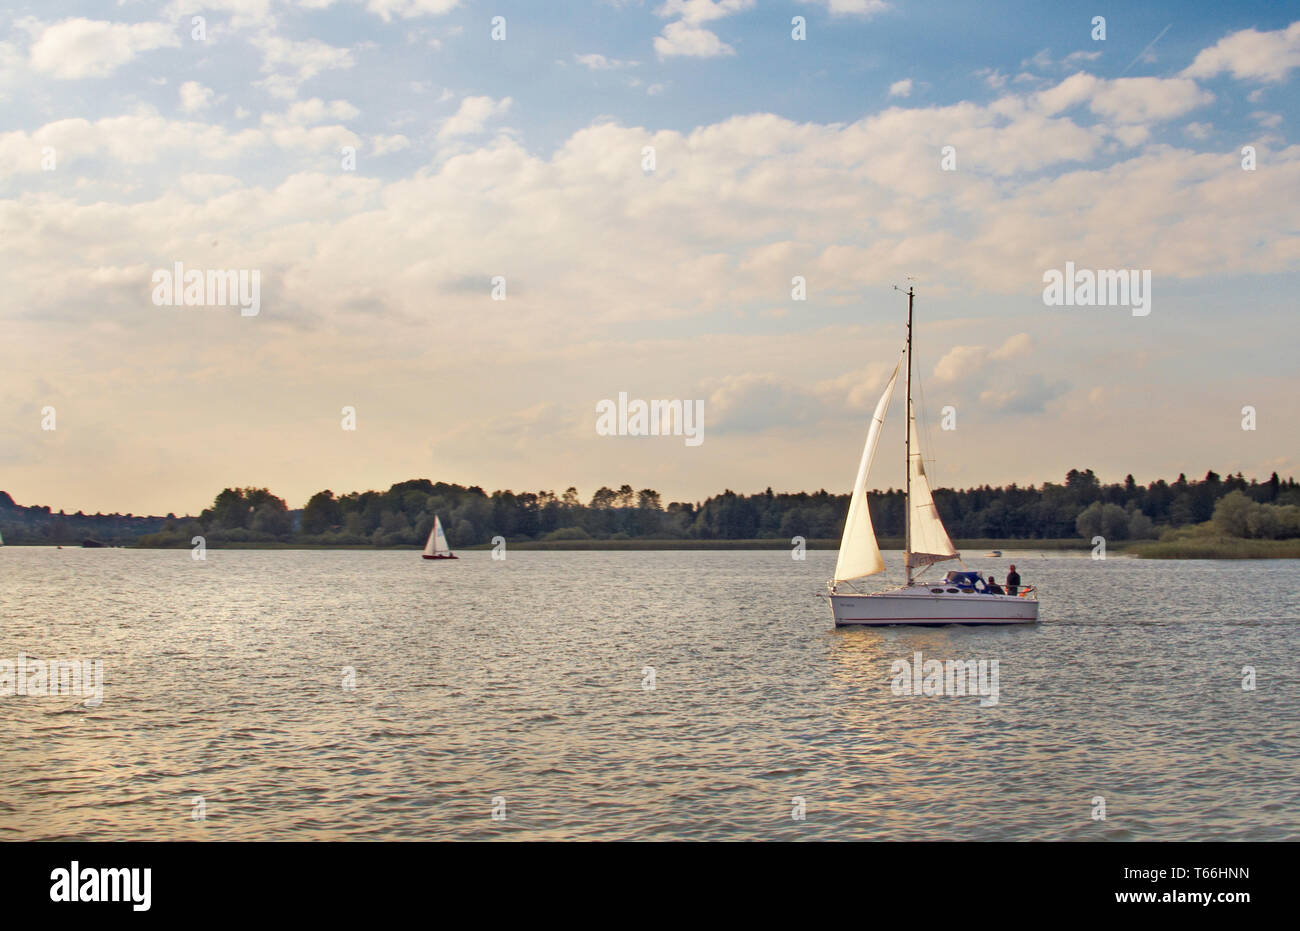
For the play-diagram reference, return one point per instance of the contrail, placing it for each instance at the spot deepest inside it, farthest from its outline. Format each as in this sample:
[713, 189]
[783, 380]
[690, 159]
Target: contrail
[1145, 50]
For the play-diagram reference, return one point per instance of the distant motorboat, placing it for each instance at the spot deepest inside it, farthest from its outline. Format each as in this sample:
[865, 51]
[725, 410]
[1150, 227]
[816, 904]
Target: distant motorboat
[436, 546]
[962, 597]
[993, 554]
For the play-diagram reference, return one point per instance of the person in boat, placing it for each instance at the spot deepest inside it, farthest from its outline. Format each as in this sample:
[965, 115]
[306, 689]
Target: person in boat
[991, 587]
[1013, 581]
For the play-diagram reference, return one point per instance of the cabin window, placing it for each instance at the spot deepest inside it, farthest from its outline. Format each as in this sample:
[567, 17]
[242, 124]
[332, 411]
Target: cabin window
[937, 591]
[952, 591]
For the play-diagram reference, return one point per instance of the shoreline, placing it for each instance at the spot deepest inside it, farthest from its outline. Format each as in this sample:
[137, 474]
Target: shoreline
[1213, 548]
[970, 547]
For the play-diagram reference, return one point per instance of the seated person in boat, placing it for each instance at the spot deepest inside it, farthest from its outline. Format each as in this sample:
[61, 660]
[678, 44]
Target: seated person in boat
[991, 587]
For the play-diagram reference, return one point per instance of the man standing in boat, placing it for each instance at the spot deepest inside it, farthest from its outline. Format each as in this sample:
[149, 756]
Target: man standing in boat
[1013, 581]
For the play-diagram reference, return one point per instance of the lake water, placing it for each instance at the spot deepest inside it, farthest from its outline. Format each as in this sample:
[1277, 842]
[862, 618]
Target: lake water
[523, 681]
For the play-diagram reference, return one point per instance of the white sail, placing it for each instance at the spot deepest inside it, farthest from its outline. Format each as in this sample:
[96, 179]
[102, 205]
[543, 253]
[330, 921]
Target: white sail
[436, 545]
[859, 552]
[927, 540]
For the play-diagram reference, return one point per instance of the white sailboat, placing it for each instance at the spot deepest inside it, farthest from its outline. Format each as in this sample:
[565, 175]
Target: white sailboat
[436, 546]
[960, 597]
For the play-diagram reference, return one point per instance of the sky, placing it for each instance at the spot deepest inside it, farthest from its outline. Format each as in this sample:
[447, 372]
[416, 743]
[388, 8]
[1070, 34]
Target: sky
[643, 183]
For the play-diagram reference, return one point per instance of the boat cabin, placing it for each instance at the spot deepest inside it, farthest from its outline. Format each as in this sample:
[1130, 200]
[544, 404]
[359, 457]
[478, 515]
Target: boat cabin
[955, 581]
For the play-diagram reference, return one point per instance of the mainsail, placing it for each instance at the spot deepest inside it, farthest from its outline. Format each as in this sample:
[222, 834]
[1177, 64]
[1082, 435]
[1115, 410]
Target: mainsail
[859, 552]
[927, 540]
[436, 545]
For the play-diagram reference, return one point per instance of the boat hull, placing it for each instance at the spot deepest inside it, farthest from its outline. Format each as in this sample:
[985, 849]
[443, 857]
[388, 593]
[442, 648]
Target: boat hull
[919, 605]
[427, 556]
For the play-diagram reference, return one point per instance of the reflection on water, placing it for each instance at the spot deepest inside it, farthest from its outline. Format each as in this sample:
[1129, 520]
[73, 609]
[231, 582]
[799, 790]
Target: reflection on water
[525, 679]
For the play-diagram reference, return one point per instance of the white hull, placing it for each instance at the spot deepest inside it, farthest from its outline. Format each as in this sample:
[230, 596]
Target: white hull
[918, 605]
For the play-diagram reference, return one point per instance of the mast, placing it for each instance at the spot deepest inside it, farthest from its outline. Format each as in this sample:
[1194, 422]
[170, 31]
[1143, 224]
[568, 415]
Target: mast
[907, 443]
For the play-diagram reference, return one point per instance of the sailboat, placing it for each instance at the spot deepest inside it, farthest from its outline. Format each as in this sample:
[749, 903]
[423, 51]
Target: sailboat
[436, 546]
[960, 597]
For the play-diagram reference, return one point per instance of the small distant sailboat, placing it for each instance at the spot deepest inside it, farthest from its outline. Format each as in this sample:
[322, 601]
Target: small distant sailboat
[960, 598]
[436, 546]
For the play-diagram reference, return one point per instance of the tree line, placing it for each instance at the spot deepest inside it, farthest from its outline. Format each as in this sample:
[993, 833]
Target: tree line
[403, 515]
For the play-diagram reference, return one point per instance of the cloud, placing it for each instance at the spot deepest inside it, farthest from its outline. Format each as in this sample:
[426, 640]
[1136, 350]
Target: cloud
[966, 361]
[315, 110]
[1076, 58]
[410, 9]
[1020, 344]
[680, 39]
[383, 145]
[852, 7]
[1124, 100]
[289, 63]
[973, 373]
[959, 362]
[195, 97]
[85, 48]
[901, 88]
[1250, 54]
[598, 62]
[1142, 100]
[1029, 395]
[140, 138]
[686, 36]
[243, 13]
[472, 116]
[754, 403]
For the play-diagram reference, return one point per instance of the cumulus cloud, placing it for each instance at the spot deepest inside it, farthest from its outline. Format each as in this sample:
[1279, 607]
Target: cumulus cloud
[687, 36]
[901, 88]
[965, 361]
[1124, 100]
[86, 48]
[195, 97]
[472, 116]
[1251, 55]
